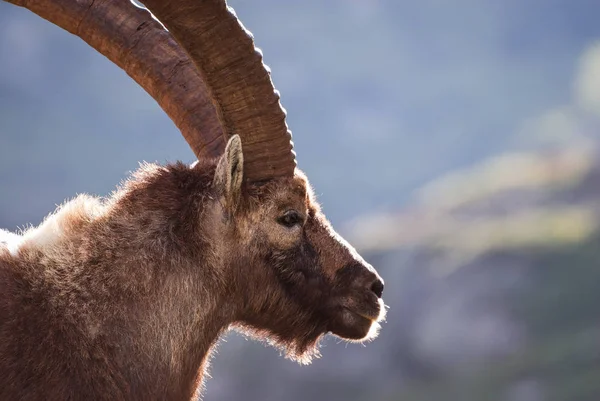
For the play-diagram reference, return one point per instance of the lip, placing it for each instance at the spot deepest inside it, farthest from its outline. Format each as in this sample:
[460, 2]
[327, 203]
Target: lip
[363, 305]
[374, 317]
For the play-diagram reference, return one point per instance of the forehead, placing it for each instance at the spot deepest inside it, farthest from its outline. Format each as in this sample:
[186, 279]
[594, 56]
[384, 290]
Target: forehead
[294, 192]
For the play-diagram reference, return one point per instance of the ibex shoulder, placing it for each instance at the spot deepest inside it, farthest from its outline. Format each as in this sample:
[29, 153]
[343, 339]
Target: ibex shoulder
[65, 221]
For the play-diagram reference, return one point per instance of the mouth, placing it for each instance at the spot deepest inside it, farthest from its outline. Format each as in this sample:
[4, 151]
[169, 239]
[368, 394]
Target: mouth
[369, 317]
[374, 312]
[358, 320]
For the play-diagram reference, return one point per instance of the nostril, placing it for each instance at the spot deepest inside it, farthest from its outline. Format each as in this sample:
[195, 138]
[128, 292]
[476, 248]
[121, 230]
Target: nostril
[377, 288]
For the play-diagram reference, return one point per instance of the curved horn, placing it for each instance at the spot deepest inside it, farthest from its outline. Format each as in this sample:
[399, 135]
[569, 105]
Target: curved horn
[129, 37]
[241, 98]
[232, 68]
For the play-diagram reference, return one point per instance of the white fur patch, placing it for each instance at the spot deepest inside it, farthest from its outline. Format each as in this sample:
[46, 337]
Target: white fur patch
[10, 240]
[56, 225]
[47, 233]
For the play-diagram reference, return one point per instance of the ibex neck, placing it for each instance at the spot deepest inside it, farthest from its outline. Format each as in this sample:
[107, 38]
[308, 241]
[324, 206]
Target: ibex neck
[174, 306]
[155, 320]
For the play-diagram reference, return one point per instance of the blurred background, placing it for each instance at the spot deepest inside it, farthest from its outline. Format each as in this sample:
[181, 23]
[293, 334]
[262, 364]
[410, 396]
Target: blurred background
[454, 143]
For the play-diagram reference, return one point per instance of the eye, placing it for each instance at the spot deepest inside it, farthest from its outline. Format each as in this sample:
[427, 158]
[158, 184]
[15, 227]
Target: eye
[290, 219]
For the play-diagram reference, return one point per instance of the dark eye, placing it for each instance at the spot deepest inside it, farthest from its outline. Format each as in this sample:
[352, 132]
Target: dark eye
[290, 219]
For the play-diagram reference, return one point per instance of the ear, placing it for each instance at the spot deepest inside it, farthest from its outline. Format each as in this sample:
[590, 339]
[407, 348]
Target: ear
[230, 173]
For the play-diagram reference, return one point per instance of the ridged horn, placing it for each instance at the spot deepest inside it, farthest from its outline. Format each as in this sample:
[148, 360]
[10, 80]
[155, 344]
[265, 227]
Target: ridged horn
[215, 87]
[240, 84]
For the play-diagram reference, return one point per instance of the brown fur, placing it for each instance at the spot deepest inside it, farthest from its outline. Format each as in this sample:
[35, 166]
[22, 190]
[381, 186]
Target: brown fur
[123, 298]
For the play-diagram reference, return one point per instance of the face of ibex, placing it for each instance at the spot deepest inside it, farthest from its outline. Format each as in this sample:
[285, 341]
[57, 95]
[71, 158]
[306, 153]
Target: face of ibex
[296, 277]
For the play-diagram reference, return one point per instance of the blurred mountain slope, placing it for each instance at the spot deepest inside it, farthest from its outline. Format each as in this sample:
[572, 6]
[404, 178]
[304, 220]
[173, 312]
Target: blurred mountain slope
[511, 200]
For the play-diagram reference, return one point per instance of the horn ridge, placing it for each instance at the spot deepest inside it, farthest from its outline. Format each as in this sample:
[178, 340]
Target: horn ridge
[240, 84]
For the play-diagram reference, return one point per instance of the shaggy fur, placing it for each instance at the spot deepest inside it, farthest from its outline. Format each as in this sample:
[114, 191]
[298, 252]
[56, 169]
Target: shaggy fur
[123, 298]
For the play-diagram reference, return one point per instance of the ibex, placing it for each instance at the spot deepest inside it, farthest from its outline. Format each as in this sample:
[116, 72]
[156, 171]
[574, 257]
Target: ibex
[123, 298]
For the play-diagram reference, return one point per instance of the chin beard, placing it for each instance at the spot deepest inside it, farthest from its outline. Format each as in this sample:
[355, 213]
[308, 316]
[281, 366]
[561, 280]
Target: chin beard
[298, 347]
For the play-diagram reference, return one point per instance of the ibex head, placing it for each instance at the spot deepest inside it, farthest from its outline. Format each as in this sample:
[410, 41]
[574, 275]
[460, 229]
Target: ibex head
[298, 278]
